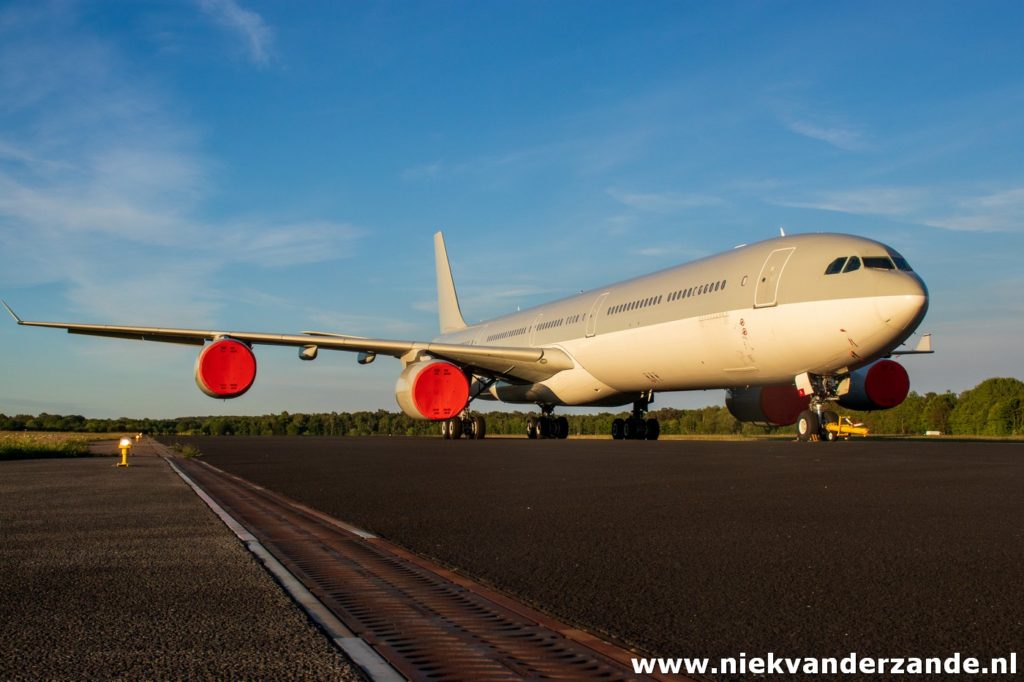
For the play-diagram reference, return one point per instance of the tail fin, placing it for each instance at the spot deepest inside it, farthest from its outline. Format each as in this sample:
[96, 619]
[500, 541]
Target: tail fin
[447, 300]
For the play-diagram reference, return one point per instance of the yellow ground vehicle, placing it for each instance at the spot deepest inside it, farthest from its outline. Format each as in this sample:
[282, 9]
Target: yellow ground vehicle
[844, 428]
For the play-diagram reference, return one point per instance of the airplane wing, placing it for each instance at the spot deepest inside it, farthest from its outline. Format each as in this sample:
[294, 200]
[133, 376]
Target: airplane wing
[519, 363]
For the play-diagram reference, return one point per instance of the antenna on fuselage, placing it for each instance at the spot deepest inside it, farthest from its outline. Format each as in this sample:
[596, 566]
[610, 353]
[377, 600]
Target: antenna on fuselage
[782, 231]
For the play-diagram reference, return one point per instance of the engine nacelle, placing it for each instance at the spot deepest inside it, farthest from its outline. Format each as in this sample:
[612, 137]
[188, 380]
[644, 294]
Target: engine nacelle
[772, 405]
[225, 369]
[879, 386]
[433, 389]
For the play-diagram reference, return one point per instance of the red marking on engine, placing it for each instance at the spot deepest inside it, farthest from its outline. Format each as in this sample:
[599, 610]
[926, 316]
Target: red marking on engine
[226, 369]
[887, 383]
[440, 391]
[781, 405]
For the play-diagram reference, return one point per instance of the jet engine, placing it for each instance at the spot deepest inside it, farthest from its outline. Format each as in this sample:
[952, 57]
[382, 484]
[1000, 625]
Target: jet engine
[878, 386]
[225, 369]
[432, 389]
[771, 405]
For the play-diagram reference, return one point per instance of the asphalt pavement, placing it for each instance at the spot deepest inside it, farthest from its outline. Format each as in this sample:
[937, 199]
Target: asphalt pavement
[691, 548]
[113, 573]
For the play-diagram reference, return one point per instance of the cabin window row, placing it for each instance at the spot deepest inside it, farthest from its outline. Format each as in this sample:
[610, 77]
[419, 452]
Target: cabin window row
[550, 324]
[508, 334]
[708, 288]
[634, 305]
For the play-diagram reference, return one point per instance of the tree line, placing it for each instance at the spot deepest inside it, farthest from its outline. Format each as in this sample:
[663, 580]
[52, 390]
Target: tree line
[994, 407]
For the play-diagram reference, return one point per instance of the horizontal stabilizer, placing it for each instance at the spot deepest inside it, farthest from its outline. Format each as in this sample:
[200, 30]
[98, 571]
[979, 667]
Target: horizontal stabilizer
[924, 347]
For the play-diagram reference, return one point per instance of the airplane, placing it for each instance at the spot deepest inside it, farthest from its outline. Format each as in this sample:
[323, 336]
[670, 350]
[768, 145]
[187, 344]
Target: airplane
[786, 325]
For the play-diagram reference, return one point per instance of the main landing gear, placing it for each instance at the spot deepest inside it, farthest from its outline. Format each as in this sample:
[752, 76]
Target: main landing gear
[812, 424]
[470, 426]
[636, 427]
[547, 425]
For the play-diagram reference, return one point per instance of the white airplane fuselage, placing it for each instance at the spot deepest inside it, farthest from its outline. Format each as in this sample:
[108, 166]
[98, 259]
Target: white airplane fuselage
[757, 315]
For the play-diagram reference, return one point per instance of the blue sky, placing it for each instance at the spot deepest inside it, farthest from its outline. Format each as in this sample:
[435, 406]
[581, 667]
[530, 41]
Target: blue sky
[282, 166]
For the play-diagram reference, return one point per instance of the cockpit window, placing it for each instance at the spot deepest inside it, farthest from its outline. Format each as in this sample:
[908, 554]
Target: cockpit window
[878, 263]
[853, 264]
[900, 261]
[836, 266]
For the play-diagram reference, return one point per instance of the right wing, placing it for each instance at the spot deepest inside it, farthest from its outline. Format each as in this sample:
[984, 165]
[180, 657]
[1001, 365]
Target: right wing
[513, 362]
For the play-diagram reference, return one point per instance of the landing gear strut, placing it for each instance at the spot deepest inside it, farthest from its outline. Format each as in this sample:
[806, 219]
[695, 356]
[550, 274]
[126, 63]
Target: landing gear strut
[636, 427]
[812, 424]
[547, 425]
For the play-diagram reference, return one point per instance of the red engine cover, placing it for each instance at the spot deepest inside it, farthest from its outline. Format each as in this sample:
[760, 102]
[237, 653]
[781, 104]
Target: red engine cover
[887, 384]
[782, 404]
[225, 369]
[773, 405]
[878, 386]
[440, 390]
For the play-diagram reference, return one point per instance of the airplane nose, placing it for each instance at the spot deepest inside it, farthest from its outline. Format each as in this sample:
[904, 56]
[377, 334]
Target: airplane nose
[904, 306]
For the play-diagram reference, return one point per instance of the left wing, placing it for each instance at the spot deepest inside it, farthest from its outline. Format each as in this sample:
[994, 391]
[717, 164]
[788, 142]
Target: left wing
[521, 363]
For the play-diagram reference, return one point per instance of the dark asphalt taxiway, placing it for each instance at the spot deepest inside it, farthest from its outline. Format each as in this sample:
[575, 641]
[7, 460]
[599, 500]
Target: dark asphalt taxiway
[690, 548]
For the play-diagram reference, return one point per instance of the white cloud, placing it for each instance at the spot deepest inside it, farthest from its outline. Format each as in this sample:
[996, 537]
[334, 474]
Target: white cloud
[102, 191]
[673, 251]
[424, 171]
[288, 244]
[1001, 211]
[250, 26]
[950, 208]
[895, 202]
[662, 202]
[847, 139]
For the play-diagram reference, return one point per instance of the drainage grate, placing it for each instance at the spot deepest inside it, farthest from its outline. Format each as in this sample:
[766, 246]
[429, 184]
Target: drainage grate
[427, 622]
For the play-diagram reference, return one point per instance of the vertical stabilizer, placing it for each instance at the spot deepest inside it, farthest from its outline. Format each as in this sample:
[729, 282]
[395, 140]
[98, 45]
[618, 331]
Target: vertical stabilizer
[447, 300]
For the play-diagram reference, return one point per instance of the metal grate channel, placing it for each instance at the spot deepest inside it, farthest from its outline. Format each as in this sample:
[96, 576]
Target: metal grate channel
[427, 622]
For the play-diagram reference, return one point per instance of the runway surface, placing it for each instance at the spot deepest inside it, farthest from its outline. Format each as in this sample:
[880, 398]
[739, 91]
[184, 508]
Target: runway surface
[689, 548]
[110, 573]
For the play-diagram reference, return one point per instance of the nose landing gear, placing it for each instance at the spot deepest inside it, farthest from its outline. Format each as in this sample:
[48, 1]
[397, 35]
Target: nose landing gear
[812, 424]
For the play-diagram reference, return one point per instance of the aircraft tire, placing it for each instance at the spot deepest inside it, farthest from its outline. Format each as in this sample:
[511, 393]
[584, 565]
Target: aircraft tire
[444, 429]
[561, 429]
[807, 427]
[618, 429]
[828, 417]
[479, 426]
[544, 428]
[635, 429]
[531, 427]
[653, 429]
[455, 428]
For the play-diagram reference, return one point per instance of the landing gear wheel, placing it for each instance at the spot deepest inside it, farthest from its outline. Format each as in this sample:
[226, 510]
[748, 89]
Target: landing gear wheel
[828, 417]
[445, 433]
[561, 429]
[544, 427]
[807, 426]
[455, 428]
[653, 429]
[478, 427]
[531, 427]
[636, 429]
[618, 429]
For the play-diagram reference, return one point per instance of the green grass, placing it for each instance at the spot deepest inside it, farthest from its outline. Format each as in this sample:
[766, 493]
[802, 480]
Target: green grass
[38, 444]
[187, 451]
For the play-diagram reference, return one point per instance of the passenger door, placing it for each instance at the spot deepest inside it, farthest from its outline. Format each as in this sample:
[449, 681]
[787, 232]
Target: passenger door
[767, 290]
[594, 312]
